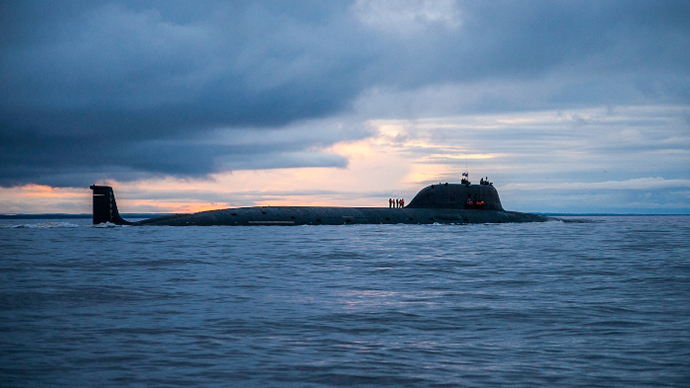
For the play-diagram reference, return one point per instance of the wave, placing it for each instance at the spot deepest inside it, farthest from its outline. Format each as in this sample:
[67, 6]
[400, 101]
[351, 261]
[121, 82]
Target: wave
[42, 225]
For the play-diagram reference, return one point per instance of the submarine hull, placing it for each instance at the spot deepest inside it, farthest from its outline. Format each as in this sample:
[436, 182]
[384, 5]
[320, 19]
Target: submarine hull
[297, 215]
[443, 204]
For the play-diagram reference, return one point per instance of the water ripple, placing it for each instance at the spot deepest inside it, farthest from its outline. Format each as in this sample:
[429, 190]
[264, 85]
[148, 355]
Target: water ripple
[595, 302]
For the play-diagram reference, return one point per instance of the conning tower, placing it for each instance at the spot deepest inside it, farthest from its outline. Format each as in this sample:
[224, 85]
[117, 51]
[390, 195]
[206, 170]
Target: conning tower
[457, 196]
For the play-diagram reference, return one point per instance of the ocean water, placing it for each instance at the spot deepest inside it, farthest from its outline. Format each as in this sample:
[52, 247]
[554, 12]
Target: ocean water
[600, 303]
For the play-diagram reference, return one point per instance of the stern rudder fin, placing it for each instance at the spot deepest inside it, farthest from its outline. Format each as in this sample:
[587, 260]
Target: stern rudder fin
[105, 207]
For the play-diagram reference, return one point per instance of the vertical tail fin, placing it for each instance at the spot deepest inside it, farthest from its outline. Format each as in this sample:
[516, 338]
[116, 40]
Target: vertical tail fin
[104, 206]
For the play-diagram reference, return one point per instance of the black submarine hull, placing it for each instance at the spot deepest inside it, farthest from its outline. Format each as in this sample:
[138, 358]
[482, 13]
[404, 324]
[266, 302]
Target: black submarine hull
[442, 204]
[297, 215]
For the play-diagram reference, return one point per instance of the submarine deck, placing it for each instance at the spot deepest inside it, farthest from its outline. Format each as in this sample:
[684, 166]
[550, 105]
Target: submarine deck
[308, 215]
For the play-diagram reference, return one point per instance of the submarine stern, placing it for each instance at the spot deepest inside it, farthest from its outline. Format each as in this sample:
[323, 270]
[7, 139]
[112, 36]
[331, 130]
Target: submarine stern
[105, 207]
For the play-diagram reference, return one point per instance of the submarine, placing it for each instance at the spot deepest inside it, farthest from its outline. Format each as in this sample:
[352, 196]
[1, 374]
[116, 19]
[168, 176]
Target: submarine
[444, 203]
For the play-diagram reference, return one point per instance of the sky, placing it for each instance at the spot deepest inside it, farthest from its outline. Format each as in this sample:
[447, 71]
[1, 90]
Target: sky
[567, 106]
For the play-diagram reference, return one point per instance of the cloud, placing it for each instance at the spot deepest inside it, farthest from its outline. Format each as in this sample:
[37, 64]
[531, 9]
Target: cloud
[609, 159]
[640, 195]
[406, 17]
[131, 90]
[647, 184]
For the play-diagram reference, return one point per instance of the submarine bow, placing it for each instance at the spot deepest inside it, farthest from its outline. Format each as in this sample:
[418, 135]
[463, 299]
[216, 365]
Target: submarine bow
[440, 203]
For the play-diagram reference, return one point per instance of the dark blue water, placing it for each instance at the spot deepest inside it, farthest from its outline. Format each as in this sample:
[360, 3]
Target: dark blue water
[604, 303]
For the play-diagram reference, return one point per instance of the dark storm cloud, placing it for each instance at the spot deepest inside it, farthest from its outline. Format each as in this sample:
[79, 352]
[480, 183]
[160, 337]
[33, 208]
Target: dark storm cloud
[131, 89]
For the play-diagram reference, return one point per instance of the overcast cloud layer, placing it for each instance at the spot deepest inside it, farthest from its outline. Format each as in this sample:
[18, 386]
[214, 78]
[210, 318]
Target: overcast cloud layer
[125, 90]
